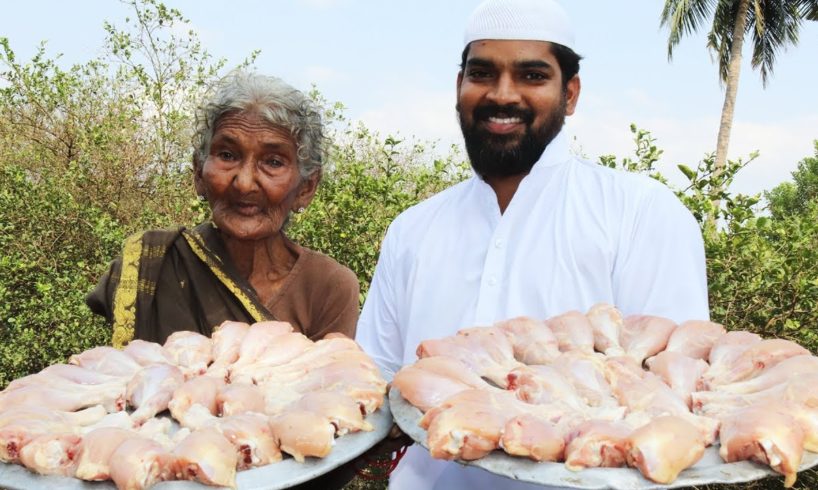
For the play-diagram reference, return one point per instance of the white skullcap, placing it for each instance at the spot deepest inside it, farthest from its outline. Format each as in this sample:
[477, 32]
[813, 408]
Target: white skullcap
[525, 20]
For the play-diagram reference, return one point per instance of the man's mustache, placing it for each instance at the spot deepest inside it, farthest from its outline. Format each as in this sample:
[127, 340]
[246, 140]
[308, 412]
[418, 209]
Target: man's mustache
[485, 111]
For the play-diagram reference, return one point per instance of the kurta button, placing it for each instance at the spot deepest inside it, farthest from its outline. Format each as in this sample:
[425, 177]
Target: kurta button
[492, 281]
[498, 243]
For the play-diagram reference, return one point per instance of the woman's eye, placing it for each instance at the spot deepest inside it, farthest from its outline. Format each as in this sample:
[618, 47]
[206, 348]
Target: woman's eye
[272, 162]
[225, 155]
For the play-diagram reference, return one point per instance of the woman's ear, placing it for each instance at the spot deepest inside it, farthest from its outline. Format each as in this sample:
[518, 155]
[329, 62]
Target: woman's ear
[198, 182]
[306, 191]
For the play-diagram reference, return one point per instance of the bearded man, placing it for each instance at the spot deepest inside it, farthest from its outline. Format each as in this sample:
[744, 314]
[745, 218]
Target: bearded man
[536, 231]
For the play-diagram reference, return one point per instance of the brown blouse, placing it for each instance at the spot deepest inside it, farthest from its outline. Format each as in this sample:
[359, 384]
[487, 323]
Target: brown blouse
[180, 279]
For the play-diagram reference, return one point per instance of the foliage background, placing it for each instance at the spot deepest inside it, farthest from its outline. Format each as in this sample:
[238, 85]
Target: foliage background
[92, 153]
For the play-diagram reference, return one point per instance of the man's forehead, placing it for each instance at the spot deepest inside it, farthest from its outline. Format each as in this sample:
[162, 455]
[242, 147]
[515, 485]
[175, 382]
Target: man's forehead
[509, 51]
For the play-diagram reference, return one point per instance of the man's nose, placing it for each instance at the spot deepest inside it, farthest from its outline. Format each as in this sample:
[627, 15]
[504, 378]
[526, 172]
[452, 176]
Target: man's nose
[504, 91]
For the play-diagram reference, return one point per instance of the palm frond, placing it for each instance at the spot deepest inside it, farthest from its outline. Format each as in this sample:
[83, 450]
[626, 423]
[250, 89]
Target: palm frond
[776, 25]
[684, 17]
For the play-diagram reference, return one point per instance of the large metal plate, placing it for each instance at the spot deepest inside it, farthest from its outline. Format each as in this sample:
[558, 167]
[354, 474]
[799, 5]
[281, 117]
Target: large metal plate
[284, 474]
[710, 469]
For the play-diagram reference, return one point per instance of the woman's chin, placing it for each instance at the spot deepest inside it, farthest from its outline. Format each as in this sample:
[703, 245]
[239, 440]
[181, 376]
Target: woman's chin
[248, 228]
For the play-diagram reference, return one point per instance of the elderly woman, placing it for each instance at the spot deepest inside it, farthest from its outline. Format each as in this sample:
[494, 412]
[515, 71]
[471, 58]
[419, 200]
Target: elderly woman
[258, 157]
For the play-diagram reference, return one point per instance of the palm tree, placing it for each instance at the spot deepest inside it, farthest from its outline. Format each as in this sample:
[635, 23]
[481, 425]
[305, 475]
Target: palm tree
[772, 25]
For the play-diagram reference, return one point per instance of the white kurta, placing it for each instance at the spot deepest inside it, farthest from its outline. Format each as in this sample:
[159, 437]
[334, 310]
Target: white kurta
[574, 234]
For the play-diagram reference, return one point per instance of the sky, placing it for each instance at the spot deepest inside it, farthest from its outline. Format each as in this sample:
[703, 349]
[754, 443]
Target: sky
[393, 65]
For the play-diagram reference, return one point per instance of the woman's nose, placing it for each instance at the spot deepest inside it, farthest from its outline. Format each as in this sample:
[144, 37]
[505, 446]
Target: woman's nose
[245, 178]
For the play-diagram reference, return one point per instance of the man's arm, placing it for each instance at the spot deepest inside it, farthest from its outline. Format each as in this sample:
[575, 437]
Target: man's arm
[660, 267]
[378, 330]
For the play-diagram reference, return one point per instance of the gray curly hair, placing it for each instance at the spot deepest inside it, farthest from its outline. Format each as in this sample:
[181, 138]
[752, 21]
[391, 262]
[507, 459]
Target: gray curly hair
[273, 100]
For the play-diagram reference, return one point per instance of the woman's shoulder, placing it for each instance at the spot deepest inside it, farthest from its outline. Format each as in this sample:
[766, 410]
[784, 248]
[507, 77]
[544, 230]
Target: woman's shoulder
[319, 265]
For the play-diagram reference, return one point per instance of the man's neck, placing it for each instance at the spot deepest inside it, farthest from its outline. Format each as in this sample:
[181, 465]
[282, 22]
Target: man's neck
[504, 188]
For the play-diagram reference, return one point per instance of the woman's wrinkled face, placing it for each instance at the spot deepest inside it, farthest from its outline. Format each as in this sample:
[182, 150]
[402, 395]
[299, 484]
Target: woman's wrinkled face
[251, 177]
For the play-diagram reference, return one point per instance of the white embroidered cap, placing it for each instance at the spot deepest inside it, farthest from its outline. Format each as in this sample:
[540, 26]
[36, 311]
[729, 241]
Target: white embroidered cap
[526, 20]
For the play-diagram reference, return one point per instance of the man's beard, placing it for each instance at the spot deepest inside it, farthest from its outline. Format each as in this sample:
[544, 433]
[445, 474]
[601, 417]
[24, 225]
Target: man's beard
[497, 155]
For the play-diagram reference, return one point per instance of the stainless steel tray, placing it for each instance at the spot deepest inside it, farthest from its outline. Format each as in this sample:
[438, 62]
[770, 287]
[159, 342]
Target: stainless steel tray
[710, 469]
[284, 474]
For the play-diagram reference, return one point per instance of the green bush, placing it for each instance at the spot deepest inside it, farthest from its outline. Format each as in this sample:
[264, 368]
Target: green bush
[53, 251]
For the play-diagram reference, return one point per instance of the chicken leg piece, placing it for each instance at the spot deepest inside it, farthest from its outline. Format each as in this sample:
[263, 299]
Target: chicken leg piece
[252, 438]
[533, 437]
[664, 447]
[194, 403]
[532, 340]
[138, 463]
[147, 353]
[51, 454]
[227, 339]
[303, 434]
[724, 353]
[695, 338]
[237, 398]
[485, 350]
[206, 456]
[775, 375]
[758, 357]
[597, 444]
[151, 389]
[606, 324]
[645, 335]
[191, 351]
[106, 360]
[680, 372]
[764, 434]
[573, 331]
[431, 380]
[341, 410]
[94, 456]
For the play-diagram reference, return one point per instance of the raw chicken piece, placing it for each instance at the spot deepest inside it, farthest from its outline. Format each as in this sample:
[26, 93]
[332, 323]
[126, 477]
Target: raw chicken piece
[758, 357]
[120, 420]
[303, 434]
[532, 437]
[286, 348]
[301, 365]
[469, 425]
[587, 373]
[206, 456]
[151, 389]
[680, 372]
[664, 447]
[258, 338]
[542, 384]
[606, 324]
[597, 444]
[51, 454]
[764, 434]
[61, 374]
[645, 335]
[106, 360]
[138, 463]
[252, 438]
[191, 351]
[695, 338]
[342, 411]
[227, 339]
[18, 425]
[66, 397]
[485, 350]
[147, 353]
[532, 340]
[724, 353]
[237, 398]
[429, 381]
[357, 378]
[775, 375]
[194, 403]
[573, 331]
[95, 452]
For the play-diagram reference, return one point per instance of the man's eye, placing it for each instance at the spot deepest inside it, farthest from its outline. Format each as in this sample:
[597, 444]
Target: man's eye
[535, 76]
[478, 74]
[225, 155]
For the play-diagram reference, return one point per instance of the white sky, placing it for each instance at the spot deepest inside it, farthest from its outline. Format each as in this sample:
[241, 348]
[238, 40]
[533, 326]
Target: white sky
[393, 64]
